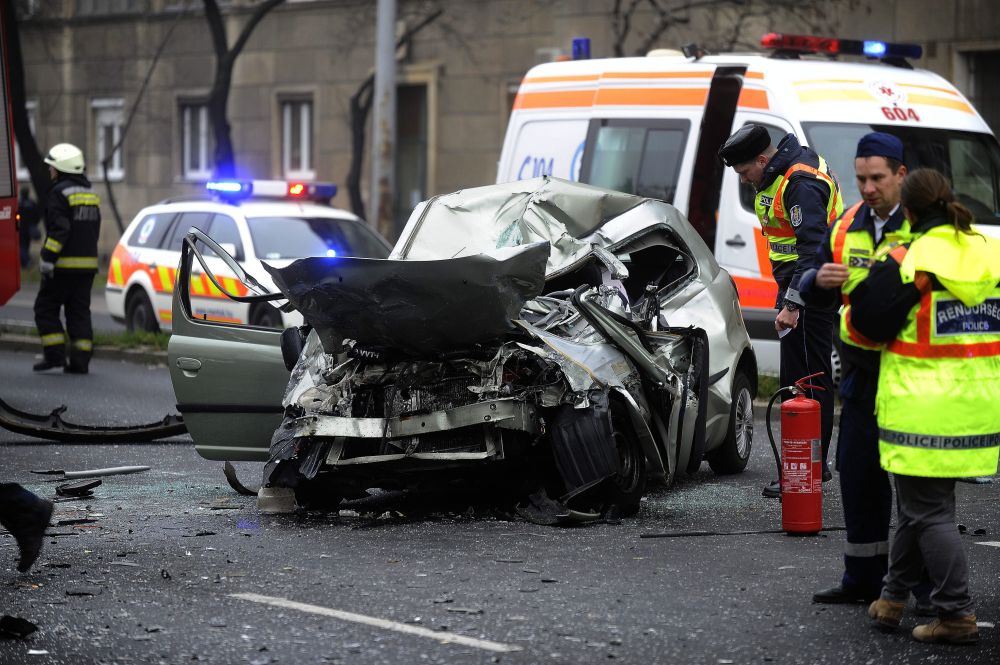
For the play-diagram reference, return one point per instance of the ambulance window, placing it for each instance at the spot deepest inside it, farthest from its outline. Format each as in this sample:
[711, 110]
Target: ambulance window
[187, 221]
[224, 231]
[641, 157]
[971, 160]
[746, 189]
[150, 231]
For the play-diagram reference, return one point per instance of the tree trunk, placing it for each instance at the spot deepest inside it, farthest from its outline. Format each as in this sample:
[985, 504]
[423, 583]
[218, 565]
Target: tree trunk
[218, 101]
[361, 104]
[19, 113]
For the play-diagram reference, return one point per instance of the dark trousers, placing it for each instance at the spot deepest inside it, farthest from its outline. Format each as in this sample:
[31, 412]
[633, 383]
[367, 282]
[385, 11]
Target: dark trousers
[927, 544]
[806, 350]
[67, 290]
[867, 498]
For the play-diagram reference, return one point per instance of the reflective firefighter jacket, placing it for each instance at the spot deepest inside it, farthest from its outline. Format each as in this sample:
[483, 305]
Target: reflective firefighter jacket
[72, 224]
[797, 202]
[852, 244]
[939, 381]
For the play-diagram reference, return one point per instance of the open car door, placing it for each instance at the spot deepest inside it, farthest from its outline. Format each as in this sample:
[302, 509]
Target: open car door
[229, 379]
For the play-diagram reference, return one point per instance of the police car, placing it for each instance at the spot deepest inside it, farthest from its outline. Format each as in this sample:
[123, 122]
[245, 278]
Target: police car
[254, 221]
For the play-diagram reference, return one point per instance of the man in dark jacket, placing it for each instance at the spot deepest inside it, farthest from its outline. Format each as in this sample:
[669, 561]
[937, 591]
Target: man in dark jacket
[796, 199]
[68, 263]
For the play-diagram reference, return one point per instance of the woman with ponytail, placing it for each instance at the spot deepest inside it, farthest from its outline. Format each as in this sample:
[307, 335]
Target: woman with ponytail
[935, 302]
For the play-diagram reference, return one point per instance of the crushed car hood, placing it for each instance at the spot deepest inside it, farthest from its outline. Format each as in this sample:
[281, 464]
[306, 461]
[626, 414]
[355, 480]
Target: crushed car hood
[415, 307]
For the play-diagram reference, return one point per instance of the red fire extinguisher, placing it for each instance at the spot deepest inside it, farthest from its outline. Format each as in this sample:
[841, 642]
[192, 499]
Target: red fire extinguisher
[800, 465]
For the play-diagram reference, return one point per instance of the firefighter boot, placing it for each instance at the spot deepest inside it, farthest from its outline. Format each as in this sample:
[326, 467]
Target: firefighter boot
[26, 516]
[957, 630]
[77, 366]
[886, 613]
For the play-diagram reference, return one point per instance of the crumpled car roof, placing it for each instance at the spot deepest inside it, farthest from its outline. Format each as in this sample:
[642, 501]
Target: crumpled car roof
[481, 219]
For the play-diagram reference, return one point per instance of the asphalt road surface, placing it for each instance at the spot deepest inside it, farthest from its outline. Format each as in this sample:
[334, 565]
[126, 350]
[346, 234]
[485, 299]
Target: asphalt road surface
[19, 311]
[171, 566]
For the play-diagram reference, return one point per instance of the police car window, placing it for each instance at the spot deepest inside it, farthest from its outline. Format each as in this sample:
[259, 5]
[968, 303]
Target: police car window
[640, 157]
[299, 237]
[746, 189]
[186, 221]
[150, 231]
[224, 231]
[971, 160]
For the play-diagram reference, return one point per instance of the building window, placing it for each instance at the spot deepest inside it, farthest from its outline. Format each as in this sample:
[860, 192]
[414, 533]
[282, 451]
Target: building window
[99, 7]
[109, 120]
[196, 158]
[22, 169]
[296, 139]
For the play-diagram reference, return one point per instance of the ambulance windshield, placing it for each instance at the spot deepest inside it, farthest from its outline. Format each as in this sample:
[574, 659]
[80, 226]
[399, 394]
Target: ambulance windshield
[970, 159]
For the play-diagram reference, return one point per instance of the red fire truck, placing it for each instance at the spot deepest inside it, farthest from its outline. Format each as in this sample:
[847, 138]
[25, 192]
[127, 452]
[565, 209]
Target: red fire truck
[10, 266]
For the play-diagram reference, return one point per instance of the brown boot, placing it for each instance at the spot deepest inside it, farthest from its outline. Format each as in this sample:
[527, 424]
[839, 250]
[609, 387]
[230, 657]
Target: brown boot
[959, 630]
[886, 613]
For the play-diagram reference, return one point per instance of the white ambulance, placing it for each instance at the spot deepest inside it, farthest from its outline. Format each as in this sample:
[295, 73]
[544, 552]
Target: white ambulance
[652, 126]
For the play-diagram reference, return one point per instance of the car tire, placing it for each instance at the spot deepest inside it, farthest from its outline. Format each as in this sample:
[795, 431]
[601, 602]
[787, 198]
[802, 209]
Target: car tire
[734, 453]
[319, 493]
[139, 314]
[630, 479]
[265, 316]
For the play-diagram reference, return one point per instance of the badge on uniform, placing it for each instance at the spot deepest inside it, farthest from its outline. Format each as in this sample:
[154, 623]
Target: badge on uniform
[795, 215]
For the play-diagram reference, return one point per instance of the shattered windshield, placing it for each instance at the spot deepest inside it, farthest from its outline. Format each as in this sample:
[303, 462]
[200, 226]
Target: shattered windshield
[299, 237]
[971, 160]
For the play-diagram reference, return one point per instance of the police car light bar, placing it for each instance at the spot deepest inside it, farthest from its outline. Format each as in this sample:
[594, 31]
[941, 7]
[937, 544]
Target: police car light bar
[834, 46]
[230, 189]
[272, 189]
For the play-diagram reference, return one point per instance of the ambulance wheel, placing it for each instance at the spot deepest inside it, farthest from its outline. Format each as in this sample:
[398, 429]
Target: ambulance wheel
[265, 316]
[139, 314]
[734, 453]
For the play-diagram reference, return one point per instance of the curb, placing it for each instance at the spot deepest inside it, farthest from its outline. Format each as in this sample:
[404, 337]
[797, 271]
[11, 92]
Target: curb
[15, 342]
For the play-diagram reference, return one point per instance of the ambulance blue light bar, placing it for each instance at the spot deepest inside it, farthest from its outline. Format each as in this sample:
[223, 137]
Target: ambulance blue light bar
[272, 189]
[835, 46]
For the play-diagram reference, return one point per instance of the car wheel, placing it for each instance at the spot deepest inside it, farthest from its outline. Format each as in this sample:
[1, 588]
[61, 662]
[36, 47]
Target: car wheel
[630, 479]
[139, 314]
[319, 493]
[836, 365]
[734, 453]
[265, 316]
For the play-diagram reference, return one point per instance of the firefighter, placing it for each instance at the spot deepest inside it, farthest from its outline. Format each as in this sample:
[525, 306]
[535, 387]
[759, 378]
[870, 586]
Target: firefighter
[796, 200]
[936, 302]
[872, 224]
[26, 516]
[68, 263]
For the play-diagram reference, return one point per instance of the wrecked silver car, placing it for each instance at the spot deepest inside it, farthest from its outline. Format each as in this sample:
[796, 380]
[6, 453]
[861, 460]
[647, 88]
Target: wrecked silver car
[556, 344]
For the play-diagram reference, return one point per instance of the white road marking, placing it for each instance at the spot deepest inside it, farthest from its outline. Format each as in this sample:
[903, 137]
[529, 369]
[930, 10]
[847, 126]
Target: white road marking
[385, 624]
[990, 543]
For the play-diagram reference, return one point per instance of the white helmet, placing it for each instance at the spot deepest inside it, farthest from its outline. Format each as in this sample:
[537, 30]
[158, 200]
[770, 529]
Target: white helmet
[65, 157]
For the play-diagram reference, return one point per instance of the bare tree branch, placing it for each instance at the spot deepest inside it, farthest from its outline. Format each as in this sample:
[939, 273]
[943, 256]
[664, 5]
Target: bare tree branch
[218, 96]
[361, 103]
[131, 116]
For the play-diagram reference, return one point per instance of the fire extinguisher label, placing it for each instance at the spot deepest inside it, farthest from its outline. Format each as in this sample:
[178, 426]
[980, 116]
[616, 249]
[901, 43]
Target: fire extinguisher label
[798, 472]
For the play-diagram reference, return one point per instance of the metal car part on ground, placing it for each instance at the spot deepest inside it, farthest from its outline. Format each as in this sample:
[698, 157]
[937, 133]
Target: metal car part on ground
[52, 427]
[628, 359]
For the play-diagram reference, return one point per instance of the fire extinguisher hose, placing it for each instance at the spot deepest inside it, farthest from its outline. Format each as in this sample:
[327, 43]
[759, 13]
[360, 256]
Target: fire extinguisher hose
[770, 434]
